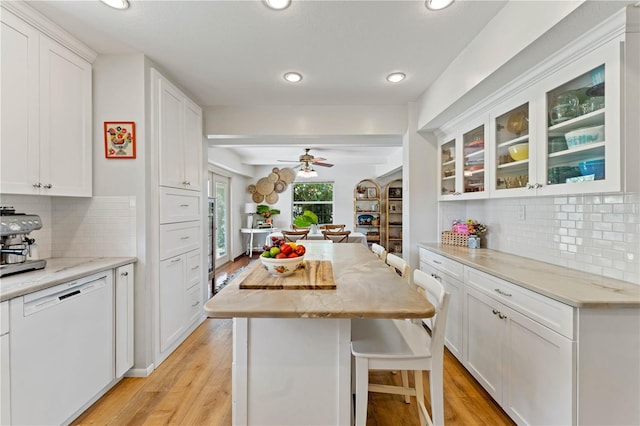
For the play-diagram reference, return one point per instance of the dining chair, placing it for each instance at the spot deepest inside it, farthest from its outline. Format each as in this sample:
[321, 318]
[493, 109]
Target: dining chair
[387, 344]
[293, 236]
[299, 228]
[332, 227]
[400, 265]
[379, 251]
[336, 236]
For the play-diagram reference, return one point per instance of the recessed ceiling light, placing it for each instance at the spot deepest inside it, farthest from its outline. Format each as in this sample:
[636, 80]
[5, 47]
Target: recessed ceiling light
[293, 77]
[277, 4]
[395, 77]
[438, 4]
[117, 4]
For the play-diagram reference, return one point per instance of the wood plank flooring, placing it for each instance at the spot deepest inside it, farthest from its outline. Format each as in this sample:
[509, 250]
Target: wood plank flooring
[193, 387]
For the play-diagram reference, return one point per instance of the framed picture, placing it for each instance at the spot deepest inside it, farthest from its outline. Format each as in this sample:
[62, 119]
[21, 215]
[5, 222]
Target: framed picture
[119, 139]
[371, 193]
[395, 192]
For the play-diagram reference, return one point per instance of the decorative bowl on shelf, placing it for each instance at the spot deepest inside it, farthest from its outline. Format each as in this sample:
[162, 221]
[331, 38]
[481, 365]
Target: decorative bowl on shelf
[282, 267]
[584, 136]
[365, 219]
[519, 152]
[592, 167]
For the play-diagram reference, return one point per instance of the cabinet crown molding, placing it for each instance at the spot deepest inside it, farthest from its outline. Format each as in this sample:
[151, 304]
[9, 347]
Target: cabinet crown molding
[50, 29]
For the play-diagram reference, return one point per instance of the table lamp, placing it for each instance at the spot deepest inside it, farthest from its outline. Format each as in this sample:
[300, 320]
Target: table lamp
[250, 209]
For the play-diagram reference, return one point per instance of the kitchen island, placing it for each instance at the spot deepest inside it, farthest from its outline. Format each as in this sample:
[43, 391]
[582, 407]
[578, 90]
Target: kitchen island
[291, 355]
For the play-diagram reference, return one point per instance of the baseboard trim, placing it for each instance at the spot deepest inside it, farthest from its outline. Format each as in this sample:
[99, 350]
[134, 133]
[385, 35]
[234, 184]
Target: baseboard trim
[140, 372]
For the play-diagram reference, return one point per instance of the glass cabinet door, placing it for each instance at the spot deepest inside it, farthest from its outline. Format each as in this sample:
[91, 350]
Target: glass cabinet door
[576, 130]
[448, 168]
[473, 173]
[512, 149]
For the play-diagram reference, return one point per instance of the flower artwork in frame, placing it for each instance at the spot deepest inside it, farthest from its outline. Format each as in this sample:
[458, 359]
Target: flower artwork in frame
[119, 139]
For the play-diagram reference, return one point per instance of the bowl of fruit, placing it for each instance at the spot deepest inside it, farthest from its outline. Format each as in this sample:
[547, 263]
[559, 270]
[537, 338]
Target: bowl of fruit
[281, 259]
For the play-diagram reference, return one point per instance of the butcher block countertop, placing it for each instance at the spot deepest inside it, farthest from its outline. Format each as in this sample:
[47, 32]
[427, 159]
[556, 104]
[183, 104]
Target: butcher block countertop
[570, 286]
[58, 270]
[365, 288]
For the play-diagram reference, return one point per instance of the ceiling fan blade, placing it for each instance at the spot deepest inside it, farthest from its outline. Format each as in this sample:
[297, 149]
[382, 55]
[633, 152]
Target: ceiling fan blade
[322, 164]
[316, 159]
[290, 161]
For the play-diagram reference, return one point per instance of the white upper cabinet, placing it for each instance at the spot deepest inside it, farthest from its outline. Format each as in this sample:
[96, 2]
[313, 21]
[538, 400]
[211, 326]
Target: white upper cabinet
[570, 127]
[46, 114]
[179, 136]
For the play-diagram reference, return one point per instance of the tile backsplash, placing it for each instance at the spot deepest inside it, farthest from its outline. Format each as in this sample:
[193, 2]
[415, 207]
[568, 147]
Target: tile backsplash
[81, 227]
[596, 233]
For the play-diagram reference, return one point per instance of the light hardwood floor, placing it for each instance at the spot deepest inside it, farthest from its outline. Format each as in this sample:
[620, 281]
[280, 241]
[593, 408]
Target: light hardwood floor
[193, 387]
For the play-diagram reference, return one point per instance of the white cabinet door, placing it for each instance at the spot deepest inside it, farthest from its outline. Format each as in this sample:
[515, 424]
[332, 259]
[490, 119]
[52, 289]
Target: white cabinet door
[172, 300]
[537, 372]
[19, 152]
[170, 134]
[192, 145]
[5, 371]
[124, 287]
[65, 121]
[483, 345]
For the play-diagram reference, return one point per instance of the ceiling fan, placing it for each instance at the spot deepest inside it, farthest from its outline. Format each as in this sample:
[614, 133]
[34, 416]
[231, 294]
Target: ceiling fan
[306, 160]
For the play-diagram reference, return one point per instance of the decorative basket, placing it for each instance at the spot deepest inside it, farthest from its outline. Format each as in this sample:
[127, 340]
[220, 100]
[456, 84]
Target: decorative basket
[455, 239]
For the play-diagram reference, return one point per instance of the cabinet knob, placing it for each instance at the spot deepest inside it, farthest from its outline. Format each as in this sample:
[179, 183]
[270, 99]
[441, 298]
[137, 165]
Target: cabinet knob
[186, 182]
[436, 276]
[497, 290]
[48, 186]
[495, 312]
[537, 185]
[37, 185]
[124, 274]
[529, 186]
[501, 315]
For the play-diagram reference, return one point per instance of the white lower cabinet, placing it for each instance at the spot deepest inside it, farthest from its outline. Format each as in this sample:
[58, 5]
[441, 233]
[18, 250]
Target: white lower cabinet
[124, 318]
[180, 297]
[453, 332]
[524, 366]
[5, 381]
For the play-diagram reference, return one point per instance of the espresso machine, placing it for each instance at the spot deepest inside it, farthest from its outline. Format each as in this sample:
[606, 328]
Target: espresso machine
[15, 245]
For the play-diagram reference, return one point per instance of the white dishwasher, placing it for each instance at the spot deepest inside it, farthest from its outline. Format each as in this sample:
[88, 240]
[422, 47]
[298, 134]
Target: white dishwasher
[61, 348]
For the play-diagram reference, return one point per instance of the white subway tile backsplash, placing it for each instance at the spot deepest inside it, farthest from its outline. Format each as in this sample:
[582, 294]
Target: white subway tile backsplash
[597, 233]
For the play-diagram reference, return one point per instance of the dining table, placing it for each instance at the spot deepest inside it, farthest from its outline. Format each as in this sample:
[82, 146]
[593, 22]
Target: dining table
[291, 344]
[354, 237]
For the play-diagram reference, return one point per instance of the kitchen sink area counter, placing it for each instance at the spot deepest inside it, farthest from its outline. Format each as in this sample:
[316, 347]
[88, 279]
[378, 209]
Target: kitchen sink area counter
[572, 287]
[58, 271]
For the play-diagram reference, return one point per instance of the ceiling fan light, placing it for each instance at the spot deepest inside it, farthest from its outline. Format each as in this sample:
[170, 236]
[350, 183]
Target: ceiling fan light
[117, 4]
[396, 77]
[293, 77]
[277, 4]
[438, 4]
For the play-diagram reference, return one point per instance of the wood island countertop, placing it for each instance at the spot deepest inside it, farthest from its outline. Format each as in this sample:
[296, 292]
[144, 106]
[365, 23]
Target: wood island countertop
[365, 288]
[570, 286]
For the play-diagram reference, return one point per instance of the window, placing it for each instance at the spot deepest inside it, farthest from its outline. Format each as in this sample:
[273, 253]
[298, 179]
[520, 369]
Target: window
[317, 197]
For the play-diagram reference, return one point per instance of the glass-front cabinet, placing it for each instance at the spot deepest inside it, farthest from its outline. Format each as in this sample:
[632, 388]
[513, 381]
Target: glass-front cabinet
[561, 135]
[463, 159]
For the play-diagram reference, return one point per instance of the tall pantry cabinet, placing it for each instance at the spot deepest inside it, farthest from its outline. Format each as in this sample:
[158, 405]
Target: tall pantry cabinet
[177, 256]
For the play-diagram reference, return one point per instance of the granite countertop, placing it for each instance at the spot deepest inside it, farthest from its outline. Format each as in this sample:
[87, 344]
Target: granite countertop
[365, 288]
[58, 270]
[573, 287]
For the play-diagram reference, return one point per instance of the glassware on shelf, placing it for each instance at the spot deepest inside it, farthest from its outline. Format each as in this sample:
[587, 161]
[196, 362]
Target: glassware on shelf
[564, 106]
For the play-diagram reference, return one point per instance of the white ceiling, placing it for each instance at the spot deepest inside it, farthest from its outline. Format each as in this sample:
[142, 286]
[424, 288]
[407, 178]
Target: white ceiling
[235, 52]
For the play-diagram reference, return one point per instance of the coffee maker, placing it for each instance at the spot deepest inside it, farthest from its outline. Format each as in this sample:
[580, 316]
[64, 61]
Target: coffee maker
[15, 245]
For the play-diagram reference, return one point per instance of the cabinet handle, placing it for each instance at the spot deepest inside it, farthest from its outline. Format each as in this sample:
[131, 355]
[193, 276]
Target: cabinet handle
[184, 205]
[37, 185]
[48, 186]
[497, 290]
[437, 262]
[184, 238]
[501, 315]
[195, 304]
[495, 312]
[196, 267]
[457, 193]
[176, 260]
[124, 274]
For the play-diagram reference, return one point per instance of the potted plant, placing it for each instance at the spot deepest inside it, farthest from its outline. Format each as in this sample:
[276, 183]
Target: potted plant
[361, 191]
[307, 219]
[266, 212]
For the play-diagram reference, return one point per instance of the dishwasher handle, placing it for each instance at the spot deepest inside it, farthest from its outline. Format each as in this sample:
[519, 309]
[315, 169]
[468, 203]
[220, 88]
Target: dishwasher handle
[64, 295]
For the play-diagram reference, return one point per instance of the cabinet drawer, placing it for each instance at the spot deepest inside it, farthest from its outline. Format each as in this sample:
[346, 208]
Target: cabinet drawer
[179, 206]
[441, 263]
[178, 238]
[193, 269]
[553, 314]
[194, 304]
[4, 317]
